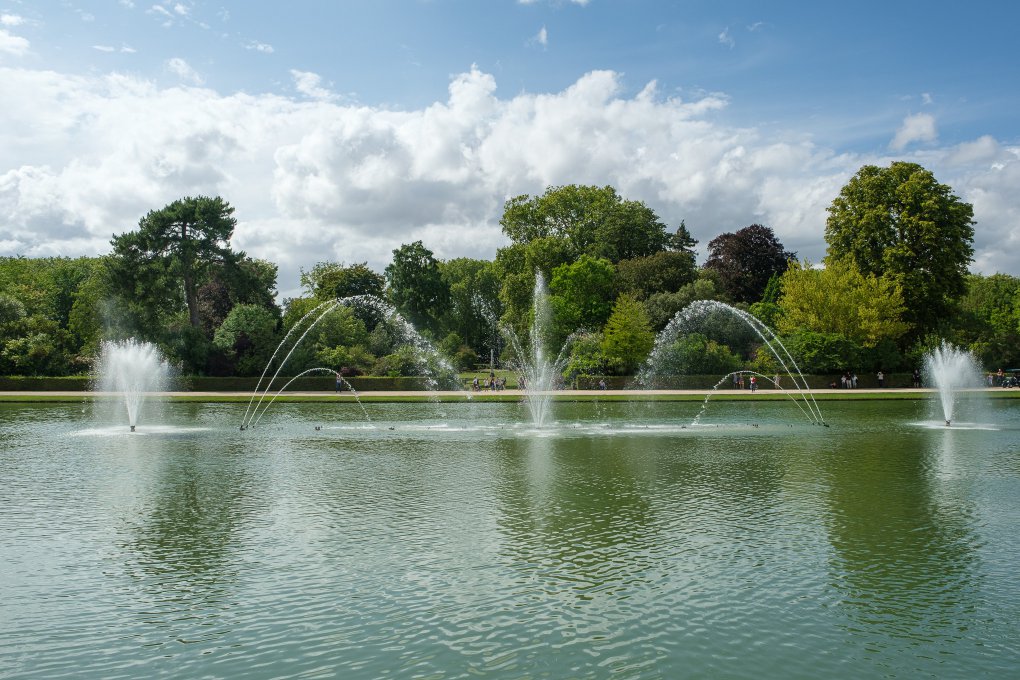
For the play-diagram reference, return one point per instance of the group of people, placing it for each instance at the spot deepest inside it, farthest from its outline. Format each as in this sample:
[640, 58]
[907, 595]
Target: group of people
[1002, 379]
[752, 381]
[493, 383]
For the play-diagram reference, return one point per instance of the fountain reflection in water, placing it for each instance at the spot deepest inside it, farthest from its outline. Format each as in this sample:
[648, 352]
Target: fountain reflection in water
[949, 370]
[131, 370]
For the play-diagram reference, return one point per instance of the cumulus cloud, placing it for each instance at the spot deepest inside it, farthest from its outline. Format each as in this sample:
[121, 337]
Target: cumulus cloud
[13, 44]
[183, 70]
[310, 85]
[11, 20]
[918, 127]
[84, 157]
[259, 47]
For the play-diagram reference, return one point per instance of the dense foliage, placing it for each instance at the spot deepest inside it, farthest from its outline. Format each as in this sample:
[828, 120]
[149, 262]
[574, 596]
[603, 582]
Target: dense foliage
[899, 244]
[899, 223]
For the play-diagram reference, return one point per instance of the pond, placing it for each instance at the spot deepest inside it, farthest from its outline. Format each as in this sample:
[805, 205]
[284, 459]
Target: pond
[455, 540]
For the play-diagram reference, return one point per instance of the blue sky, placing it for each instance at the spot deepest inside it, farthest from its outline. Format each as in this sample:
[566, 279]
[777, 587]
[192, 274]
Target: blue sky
[340, 130]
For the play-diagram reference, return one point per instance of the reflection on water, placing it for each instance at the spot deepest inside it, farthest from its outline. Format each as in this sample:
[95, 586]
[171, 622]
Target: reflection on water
[903, 559]
[446, 541]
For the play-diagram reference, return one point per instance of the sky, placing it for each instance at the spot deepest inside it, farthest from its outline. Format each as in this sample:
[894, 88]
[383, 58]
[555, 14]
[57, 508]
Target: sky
[341, 129]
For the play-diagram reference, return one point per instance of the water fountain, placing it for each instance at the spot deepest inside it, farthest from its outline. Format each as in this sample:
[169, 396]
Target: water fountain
[686, 320]
[435, 369]
[541, 372]
[950, 369]
[131, 370]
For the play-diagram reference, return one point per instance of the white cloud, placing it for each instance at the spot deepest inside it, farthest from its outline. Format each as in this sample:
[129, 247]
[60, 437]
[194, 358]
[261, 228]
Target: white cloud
[104, 48]
[540, 38]
[82, 158]
[918, 127]
[259, 47]
[927, 99]
[310, 85]
[183, 70]
[726, 39]
[11, 20]
[13, 44]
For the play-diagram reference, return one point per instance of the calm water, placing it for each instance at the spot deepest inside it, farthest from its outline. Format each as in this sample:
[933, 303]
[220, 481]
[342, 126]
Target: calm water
[448, 541]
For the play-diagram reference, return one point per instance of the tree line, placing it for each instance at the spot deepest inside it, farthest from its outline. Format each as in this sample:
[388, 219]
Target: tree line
[894, 282]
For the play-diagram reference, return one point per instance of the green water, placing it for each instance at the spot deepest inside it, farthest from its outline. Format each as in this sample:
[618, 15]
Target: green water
[453, 541]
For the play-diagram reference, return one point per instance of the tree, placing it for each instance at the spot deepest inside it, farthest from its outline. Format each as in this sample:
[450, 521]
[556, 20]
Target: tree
[328, 280]
[581, 295]
[586, 357]
[475, 308]
[663, 272]
[900, 223]
[745, 261]
[163, 263]
[417, 287]
[696, 354]
[988, 323]
[628, 336]
[662, 307]
[840, 300]
[248, 337]
[591, 220]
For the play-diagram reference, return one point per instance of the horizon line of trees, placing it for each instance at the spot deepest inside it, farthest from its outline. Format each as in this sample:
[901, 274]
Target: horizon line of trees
[894, 283]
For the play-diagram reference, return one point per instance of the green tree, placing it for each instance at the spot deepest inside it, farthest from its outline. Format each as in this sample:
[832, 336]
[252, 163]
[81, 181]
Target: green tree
[696, 354]
[746, 260]
[819, 353]
[160, 267]
[628, 336]
[901, 224]
[581, 295]
[988, 323]
[417, 287]
[591, 220]
[840, 300]
[248, 336]
[328, 280]
[662, 307]
[664, 272]
[475, 308]
[586, 357]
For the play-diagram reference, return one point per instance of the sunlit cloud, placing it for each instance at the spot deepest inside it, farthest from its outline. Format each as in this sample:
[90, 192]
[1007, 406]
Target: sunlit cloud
[259, 47]
[13, 44]
[183, 70]
[310, 85]
[918, 127]
[313, 177]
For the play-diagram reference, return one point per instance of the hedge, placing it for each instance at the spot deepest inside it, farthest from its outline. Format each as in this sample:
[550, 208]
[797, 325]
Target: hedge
[370, 384]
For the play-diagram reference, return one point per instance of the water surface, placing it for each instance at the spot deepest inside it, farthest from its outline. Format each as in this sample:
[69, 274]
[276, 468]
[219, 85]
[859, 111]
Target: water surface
[451, 540]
